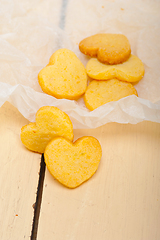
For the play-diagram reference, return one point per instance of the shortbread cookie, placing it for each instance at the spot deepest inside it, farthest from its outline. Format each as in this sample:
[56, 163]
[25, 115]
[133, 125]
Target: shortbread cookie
[73, 163]
[108, 48]
[50, 122]
[130, 71]
[101, 92]
[64, 76]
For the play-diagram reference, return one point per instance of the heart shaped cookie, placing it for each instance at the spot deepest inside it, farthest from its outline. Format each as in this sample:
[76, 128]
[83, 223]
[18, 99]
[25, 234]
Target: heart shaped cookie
[130, 71]
[64, 76]
[108, 48]
[50, 122]
[73, 163]
[102, 92]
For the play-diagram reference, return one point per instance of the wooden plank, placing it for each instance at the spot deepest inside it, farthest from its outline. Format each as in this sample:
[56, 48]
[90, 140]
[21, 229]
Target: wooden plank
[19, 174]
[121, 201]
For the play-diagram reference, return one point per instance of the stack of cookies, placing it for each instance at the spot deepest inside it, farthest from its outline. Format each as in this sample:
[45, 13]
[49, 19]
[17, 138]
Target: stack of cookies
[112, 70]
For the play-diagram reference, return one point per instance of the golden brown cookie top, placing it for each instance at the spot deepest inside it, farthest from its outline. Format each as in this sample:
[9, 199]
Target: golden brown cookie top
[64, 76]
[131, 70]
[73, 163]
[50, 123]
[108, 48]
[101, 92]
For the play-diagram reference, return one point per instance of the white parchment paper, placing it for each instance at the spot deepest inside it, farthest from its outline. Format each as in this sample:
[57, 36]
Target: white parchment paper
[30, 31]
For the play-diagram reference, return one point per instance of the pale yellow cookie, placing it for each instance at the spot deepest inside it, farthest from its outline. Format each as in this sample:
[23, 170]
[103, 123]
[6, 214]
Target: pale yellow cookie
[73, 163]
[108, 48]
[130, 71]
[100, 92]
[50, 122]
[64, 76]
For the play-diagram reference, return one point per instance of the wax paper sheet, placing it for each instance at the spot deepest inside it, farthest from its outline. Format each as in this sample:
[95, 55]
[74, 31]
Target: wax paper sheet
[30, 31]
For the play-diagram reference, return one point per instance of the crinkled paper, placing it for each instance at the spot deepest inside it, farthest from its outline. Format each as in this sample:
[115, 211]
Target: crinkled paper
[30, 31]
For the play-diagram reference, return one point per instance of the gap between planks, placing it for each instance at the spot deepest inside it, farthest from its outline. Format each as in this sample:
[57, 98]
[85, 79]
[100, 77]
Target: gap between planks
[37, 206]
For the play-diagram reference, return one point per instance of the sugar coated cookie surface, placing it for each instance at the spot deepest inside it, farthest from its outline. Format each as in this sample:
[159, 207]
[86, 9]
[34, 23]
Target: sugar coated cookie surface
[130, 71]
[73, 163]
[101, 92]
[108, 48]
[50, 122]
[64, 76]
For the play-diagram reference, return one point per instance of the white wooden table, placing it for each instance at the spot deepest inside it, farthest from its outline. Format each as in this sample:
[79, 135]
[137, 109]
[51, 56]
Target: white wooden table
[19, 175]
[120, 202]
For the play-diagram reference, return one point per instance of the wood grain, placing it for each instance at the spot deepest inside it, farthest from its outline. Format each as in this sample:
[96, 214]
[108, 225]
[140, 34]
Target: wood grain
[19, 174]
[121, 201]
